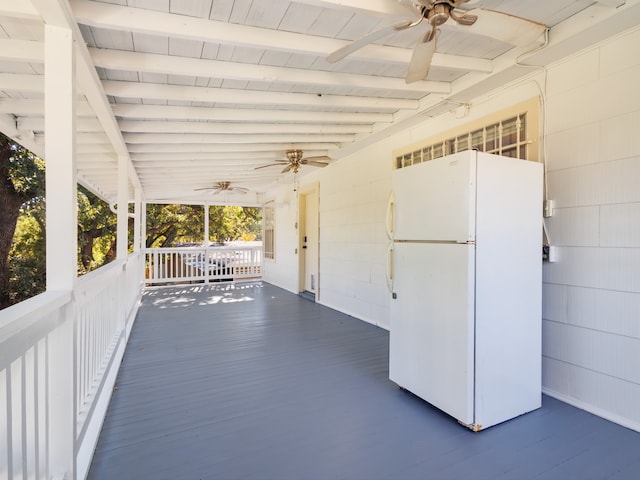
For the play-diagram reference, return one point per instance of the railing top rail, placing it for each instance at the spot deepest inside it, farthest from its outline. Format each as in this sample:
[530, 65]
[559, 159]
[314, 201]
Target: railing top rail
[194, 248]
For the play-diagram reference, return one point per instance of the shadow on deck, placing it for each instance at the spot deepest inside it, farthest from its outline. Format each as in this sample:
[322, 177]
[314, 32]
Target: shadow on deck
[238, 381]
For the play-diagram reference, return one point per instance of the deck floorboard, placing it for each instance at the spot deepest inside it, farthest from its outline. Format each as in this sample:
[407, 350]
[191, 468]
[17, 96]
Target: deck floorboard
[248, 381]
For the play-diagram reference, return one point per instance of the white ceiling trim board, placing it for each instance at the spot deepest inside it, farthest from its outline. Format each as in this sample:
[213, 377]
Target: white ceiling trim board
[197, 67]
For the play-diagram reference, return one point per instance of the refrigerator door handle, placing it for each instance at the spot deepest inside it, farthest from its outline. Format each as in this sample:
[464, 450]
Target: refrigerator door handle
[388, 266]
[389, 217]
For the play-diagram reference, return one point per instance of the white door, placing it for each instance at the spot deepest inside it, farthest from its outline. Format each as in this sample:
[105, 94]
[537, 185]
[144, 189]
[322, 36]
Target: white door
[435, 200]
[431, 350]
[310, 242]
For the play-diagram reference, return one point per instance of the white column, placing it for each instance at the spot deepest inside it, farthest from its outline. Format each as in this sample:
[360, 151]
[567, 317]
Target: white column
[123, 209]
[62, 240]
[137, 232]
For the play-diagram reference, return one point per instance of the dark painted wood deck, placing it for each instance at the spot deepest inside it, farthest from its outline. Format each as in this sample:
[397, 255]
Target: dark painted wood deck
[252, 382]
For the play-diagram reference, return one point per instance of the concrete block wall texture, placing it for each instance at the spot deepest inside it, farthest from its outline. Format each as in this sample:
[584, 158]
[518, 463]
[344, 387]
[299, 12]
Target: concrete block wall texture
[591, 296]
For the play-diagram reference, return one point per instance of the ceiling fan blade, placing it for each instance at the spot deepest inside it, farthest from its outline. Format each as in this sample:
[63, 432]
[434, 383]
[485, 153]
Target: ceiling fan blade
[421, 57]
[240, 190]
[348, 49]
[278, 162]
[205, 188]
[314, 163]
[505, 27]
[287, 168]
[320, 158]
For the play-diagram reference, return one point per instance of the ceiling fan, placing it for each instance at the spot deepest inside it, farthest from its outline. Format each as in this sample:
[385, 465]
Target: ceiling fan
[501, 26]
[295, 161]
[224, 187]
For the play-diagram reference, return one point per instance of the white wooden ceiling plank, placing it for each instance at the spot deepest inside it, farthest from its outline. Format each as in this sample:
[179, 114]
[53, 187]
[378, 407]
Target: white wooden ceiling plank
[275, 58]
[122, 75]
[185, 48]
[256, 147]
[328, 24]
[247, 55]
[225, 52]
[107, 16]
[240, 11]
[199, 67]
[193, 8]
[159, 5]
[210, 50]
[154, 126]
[292, 100]
[221, 10]
[152, 101]
[179, 103]
[147, 43]
[24, 29]
[360, 25]
[266, 14]
[299, 18]
[234, 83]
[112, 38]
[178, 138]
[152, 77]
[235, 115]
[181, 80]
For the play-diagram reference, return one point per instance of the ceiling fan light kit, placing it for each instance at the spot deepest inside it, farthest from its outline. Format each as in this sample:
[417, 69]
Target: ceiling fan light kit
[501, 26]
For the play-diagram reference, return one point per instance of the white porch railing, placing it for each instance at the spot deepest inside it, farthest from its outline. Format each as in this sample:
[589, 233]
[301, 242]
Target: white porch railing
[202, 264]
[59, 357]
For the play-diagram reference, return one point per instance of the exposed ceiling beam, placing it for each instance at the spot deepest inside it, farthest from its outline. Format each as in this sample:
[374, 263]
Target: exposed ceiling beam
[174, 65]
[181, 138]
[209, 157]
[226, 95]
[83, 124]
[26, 51]
[18, 9]
[58, 12]
[379, 7]
[28, 107]
[145, 126]
[23, 82]
[243, 115]
[115, 17]
[255, 147]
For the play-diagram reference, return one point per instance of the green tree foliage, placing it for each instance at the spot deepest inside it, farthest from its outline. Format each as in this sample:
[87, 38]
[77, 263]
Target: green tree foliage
[21, 188]
[171, 224]
[229, 223]
[97, 226]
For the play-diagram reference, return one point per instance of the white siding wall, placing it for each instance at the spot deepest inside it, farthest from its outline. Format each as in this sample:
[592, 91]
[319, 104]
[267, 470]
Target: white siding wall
[591, 296]
[353, 242]
[591, 304]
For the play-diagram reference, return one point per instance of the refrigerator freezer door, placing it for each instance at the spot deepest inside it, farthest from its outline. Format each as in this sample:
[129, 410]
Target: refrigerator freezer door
[435, 200]
[432, 325]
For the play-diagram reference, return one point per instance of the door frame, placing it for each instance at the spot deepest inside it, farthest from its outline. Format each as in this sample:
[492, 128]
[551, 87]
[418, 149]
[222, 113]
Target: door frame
[303, 192]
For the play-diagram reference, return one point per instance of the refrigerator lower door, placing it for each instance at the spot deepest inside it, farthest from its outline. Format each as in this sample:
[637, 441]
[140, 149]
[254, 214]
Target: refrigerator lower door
[431, 350]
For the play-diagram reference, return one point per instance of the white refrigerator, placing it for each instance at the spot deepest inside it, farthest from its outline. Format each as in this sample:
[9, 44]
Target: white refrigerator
[466, 276]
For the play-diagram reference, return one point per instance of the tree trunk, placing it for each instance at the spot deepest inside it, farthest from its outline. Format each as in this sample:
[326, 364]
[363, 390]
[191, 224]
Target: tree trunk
[10, 203]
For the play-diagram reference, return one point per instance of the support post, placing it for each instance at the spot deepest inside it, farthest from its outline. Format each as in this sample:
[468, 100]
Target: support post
[61, 240]
[123, 209]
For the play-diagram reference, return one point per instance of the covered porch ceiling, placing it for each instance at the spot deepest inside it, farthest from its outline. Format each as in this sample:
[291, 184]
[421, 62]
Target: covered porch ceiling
[197, 92]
